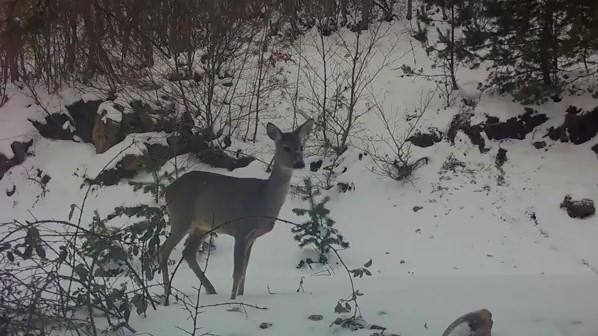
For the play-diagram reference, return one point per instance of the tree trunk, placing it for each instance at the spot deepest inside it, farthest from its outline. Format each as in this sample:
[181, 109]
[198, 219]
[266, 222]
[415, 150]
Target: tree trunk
[71, 49]
[13, 42]
[452, 50]
[343, 9]
[147, 48]
[545, 41]
[366, 8]
[409, 9]
[91, 35]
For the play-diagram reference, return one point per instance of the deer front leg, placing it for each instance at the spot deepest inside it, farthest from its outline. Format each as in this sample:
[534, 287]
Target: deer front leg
[245, 263]
[239, 255]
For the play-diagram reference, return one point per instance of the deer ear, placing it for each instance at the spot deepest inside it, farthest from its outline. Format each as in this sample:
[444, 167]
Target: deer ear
[273, 132]
[304, 130]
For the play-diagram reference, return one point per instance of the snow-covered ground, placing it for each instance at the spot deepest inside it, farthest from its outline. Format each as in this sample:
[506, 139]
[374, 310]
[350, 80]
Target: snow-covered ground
[472, 245]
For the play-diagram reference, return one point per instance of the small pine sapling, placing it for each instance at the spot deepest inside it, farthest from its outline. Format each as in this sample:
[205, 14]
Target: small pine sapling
[319, 228]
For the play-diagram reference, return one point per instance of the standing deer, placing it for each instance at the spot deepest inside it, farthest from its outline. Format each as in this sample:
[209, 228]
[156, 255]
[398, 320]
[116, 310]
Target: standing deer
[245, 208]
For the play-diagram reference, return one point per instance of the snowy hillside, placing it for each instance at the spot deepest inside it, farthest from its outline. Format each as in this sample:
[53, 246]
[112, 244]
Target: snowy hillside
[462, 233]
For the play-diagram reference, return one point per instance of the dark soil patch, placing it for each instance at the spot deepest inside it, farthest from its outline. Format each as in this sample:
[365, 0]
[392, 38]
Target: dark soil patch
[539, 144]
[595, 149]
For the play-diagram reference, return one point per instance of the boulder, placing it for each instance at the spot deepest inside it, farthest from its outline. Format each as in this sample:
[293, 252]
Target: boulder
[20, 154]
[84, 114]
[424, 140]
[4, 167]
[55, 127]
[106, 133]
[579, 126]
[130, 165]
[515, 127]
[583, 208]
[20, 150]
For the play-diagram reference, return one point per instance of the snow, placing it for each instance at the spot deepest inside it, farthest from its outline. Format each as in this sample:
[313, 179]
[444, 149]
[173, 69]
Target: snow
[13, 120]
[108, 111]
[534, 305]
[473, 244]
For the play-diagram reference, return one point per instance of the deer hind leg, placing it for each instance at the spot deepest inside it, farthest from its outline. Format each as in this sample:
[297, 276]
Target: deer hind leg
[177, 233]
[244, 271]
[192, 245]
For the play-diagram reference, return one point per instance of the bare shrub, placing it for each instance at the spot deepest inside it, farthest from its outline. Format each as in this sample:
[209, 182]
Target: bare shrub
[399, 164]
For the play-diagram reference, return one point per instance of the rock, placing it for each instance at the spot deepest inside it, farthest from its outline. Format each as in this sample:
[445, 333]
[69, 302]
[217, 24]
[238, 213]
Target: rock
[130, 165]
[140, 120]
[462, 122]
[20, 154]
[579, 126]
[265, 325]
[11, 191]
[583, 208]
[539, 144]
[55, 127]
[4, 166]
[81, 119]
[106, 133]
[554, 133]
[316, 317]
[501, 157]
[345, 186]
[474, 132]
[514, 128]
[84, 114]
[315, 165]
[417, 208]
[20, 150]
[220, 159]
[426, 139]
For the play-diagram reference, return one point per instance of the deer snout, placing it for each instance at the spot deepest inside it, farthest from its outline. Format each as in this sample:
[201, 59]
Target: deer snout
[299, 163]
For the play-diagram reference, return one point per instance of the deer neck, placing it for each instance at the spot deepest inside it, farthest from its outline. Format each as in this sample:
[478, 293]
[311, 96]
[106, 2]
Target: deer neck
[278, 184]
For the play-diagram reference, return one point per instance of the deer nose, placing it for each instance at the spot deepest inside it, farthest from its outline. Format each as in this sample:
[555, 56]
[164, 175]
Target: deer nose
[299, 164]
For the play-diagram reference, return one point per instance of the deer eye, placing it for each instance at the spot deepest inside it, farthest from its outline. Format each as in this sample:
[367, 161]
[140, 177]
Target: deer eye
[286, 149]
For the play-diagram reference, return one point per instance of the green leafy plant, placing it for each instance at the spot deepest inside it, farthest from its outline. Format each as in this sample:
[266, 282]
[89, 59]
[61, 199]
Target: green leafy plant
[350, 305]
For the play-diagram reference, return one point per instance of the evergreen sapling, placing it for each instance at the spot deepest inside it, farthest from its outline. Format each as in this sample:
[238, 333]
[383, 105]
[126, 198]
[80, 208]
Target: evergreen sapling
[319, 228]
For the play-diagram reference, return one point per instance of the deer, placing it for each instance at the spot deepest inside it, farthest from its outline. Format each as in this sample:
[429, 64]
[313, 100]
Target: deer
[199, 203]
